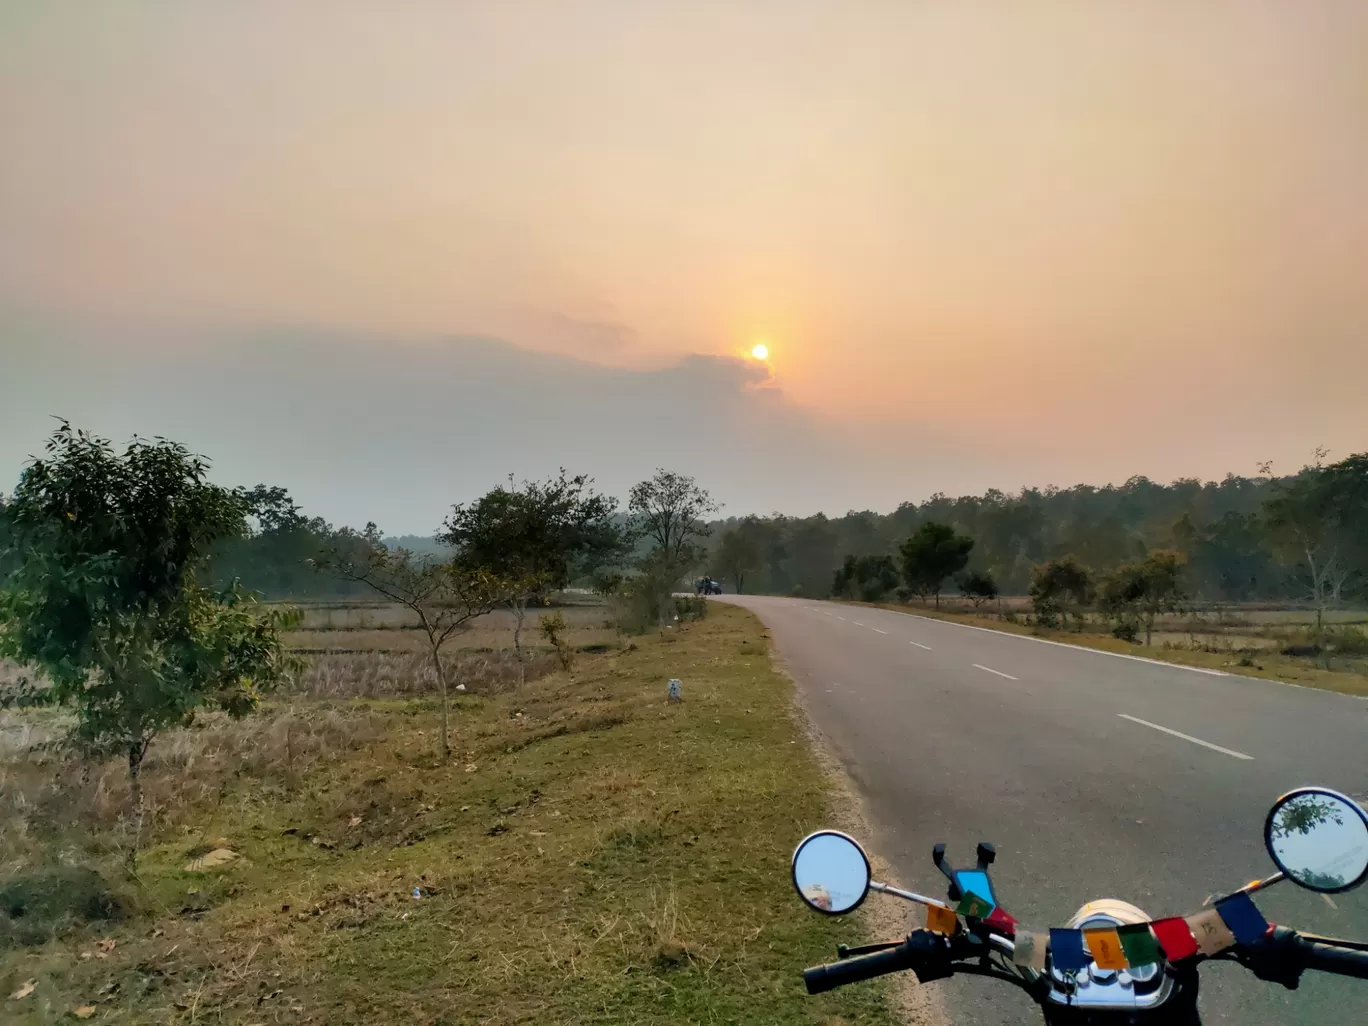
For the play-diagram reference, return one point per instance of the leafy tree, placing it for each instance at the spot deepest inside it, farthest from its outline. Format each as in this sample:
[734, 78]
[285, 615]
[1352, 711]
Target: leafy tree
[737, 553]
[1060, 587]
[978, 587]
[1145, 589]
[668, 510]
[866, 577]
[540, 534]
[931, 555]
[1304, 814]
[105, 598]
[444, 596]
[811, 552]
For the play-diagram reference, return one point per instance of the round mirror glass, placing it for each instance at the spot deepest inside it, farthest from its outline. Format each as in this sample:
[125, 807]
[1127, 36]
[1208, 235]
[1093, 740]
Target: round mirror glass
[831, 872]
[1319, 838]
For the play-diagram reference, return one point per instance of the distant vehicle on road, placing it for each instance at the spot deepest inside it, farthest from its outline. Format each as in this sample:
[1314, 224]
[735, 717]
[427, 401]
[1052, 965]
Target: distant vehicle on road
[707, 586]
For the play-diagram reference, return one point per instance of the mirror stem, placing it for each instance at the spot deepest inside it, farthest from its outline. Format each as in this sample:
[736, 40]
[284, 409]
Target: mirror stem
[1259, 885]
[920, 899]
[1252, 888]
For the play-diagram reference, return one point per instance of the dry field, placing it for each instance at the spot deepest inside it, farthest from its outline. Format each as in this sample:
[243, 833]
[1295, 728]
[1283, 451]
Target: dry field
[591, 854]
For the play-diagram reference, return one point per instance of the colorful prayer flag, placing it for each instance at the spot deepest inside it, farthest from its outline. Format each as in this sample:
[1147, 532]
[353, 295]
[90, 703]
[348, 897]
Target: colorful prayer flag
[1002, 920]
[1030, 950]
[941, 920]
[1210, 931]
[1066, 950]
[974, 907]
[1175, 937]
[1106, 948]
[1139, 944]
[1246, 922]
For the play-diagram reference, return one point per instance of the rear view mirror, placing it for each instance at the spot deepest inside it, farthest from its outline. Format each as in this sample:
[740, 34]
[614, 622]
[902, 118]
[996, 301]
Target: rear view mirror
[1319, 839]
[831, 872]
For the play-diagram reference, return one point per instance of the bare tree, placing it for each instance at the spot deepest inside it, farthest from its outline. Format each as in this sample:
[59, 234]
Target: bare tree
[444, 596]
[1307, 514]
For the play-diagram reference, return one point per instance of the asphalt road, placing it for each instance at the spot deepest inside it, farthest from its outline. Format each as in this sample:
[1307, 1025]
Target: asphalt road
[958, 734]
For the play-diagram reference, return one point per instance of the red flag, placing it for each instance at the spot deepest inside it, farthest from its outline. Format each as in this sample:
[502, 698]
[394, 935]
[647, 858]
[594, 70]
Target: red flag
[1175, 938]
[1002, 921]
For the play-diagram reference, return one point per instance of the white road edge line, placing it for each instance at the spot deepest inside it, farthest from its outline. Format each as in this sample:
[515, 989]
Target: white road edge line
[1187, 737]
[920, 645]
[1095, 651]
[877, 631]
[991, 670]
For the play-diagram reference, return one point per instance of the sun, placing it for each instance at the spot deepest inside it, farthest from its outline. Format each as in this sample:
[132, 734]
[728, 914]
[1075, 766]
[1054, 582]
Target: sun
[760, 352]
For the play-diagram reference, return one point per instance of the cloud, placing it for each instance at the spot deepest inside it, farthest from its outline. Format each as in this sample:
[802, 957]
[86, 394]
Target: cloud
[395, 430]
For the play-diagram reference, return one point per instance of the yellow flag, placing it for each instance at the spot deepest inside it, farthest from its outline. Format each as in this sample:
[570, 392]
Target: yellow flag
[1210, 931]
[941, 920]
[1105, 945]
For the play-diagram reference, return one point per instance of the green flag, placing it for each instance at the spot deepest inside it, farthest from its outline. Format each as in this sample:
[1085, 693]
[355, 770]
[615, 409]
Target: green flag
[1139, 944]
[975, 907]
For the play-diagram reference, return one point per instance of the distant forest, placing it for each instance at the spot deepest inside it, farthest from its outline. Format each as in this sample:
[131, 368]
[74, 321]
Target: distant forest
[1240, 539]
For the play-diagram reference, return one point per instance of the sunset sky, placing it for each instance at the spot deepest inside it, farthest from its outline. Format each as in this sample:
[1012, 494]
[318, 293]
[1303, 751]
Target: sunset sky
[987, 244]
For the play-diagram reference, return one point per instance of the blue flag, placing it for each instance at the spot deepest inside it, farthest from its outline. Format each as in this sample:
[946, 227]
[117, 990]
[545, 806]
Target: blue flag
[1066, 950]
[1246, 922]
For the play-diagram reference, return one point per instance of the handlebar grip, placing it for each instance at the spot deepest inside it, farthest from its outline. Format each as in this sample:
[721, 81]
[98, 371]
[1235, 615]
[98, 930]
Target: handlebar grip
[821, 978]
[1330, 959]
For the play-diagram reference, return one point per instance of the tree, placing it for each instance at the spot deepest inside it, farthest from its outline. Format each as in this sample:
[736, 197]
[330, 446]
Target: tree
[539, 535]
[978, 587]
[444, 595]
[104, 597]
[1311, 514]
[1145, 589]
[668, 510]
[1058, 588]
[932, 554]
[737, 553]
[869, 578]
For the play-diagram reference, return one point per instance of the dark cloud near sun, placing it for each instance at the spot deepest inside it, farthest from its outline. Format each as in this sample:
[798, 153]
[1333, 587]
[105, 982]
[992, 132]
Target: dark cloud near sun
[362, 428]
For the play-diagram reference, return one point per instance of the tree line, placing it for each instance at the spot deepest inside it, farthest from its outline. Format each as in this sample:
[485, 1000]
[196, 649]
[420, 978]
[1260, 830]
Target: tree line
[1301, 537]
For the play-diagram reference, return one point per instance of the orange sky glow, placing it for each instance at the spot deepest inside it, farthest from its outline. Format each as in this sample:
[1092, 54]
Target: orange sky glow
[1103, 219]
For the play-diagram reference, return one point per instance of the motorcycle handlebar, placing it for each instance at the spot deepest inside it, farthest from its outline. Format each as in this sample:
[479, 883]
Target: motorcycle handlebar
[821, 978]
[1320, 953]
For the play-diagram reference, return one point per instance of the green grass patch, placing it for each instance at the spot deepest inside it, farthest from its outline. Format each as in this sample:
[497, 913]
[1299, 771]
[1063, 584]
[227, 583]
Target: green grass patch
[591, 854]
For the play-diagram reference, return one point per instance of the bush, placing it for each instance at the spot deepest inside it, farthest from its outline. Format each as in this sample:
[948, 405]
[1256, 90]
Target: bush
[41, 904]
[553, 628]
[691, 607]
[1126, 630]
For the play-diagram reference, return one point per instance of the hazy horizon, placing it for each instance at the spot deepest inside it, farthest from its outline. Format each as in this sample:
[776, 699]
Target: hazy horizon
[386, 259]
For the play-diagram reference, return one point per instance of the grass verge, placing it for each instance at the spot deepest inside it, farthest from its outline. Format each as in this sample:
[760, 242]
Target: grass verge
[1267, 665]
[591, 854]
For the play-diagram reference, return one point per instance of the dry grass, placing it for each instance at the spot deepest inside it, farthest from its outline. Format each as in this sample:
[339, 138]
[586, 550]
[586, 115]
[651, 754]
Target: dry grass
[592, 854]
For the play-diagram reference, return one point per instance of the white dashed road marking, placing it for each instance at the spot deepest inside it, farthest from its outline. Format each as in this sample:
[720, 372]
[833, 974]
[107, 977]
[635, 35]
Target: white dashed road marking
[1187, 737]
[877, 631]
[989, 669]
[920, 645]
